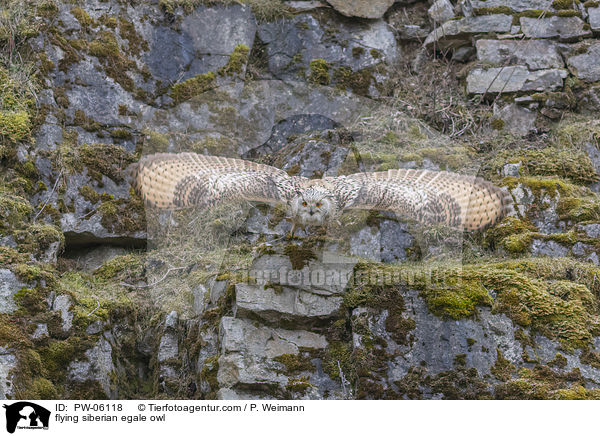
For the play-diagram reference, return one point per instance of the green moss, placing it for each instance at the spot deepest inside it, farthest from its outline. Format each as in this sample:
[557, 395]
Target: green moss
[196, 85]
[493, 10]
[14, 126]
[518, 243]
[38, 237]
[502, 368]
[41, 389]
[136, 42]
[106, 48]
[123, 267]
[579, 209]
[299, 385]
[237, 61]
[269, 10]
[509, 226]
[564, 4]
[47, 8]
[123, 215]
[540, 186]
[82, 16]
[122, 134]
[521, 287]
[357, 51]
[319, 72]
[591, 4]
[14, 211]
[57, 355]
[295, 363]
[338, 355]
[81, 119]
[457, 298]
[299, 256]
[497, 123]
[376, 54]
[541, 13]
[99, 160]
[359, 81]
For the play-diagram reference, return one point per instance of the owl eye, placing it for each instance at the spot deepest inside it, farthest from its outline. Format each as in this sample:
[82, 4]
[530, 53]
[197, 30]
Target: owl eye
[304, 203]
[319, 204]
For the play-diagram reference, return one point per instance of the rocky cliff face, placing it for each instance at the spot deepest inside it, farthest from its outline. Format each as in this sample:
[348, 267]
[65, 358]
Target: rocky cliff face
[101, 298]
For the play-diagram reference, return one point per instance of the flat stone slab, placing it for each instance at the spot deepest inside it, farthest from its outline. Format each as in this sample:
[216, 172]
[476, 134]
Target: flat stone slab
[455, 33]
[513, 79]
[563, 28]
[537, 54]
[284, 304]
[586, 66]
[515, 5]
[361, 8]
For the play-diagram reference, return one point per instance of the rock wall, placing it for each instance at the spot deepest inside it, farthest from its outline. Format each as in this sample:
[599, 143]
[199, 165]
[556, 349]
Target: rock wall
[103, 298]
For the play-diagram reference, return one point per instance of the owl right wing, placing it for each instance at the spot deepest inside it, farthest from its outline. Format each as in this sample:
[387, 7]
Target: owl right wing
[182, 180]
[429, 197]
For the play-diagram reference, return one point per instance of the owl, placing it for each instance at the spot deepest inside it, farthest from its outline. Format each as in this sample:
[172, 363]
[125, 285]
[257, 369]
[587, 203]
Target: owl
[183, 180]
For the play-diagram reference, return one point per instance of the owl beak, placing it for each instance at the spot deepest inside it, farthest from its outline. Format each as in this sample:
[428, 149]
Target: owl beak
[311, 211]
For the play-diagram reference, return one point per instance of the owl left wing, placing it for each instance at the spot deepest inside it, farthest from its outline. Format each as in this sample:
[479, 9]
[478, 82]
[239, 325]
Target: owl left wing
[181, 180]
[429, 197]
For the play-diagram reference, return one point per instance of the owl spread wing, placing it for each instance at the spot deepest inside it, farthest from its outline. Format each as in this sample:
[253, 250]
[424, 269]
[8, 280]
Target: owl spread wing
[430, 197]
[169, 180]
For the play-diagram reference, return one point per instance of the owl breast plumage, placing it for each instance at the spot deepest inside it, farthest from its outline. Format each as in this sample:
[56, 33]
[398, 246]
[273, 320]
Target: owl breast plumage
[183, 180]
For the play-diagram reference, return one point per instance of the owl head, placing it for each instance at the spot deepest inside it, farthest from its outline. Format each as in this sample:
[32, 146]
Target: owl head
[312, 206]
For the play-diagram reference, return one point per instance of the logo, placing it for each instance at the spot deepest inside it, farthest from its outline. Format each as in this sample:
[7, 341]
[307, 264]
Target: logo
[26, 415]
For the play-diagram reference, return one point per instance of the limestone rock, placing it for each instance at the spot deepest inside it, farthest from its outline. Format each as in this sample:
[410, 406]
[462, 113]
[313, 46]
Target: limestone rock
[548, 248]
[9, 285]
[535, 54]
[361, 8]
[247, 352]
[586, 66]
[294, 45]
[515, 5]
[513, 79]
[456, 33]
[284, 306]
[62, 303]
[516, 119]
[97, 367]
[200, 45]
[441, 11]
[594, 18]
[562, 28]
[8, 362]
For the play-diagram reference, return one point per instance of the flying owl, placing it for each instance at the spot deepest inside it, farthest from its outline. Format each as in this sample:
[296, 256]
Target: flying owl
[183, 180]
